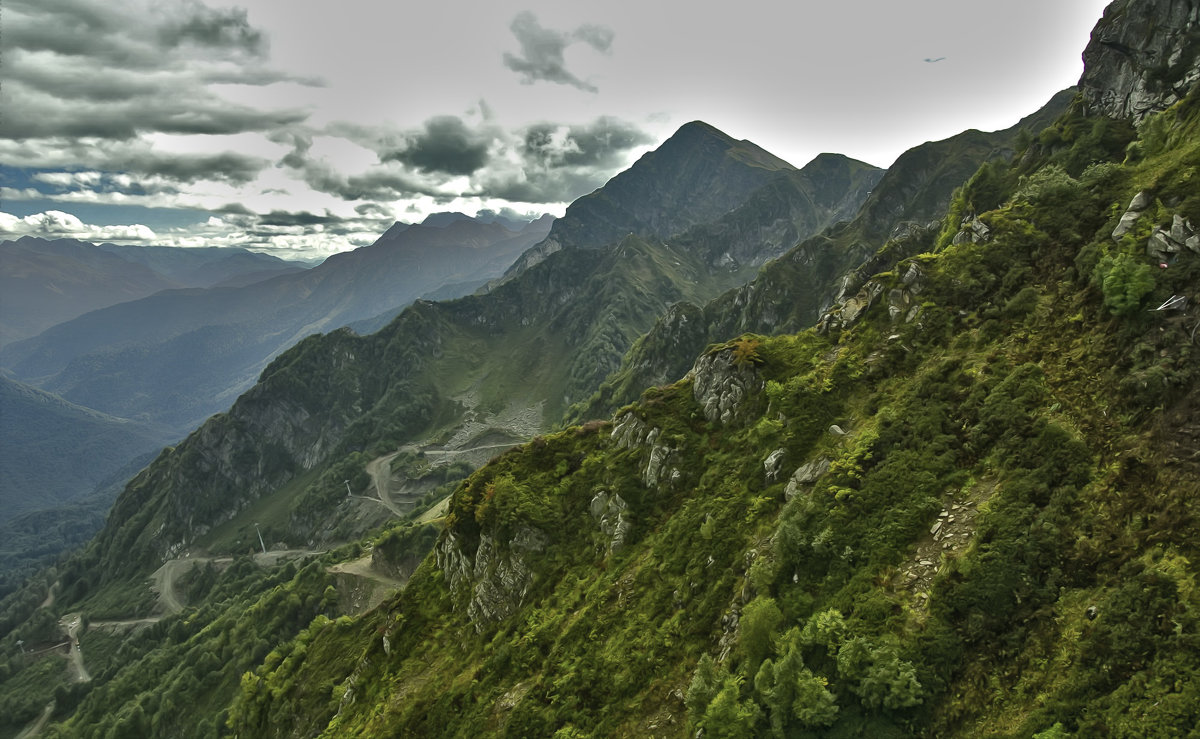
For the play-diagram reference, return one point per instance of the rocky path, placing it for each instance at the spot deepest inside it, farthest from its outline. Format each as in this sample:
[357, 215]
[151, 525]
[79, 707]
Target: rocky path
[164, 578]
[949, 535]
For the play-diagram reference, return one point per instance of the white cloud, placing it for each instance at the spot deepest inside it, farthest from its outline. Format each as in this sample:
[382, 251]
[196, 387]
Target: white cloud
[55, 224]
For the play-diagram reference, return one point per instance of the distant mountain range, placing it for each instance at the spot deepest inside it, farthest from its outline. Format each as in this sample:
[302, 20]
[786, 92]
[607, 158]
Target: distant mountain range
[504, 363]
[175, 357]
[55, 451]
[43, 282]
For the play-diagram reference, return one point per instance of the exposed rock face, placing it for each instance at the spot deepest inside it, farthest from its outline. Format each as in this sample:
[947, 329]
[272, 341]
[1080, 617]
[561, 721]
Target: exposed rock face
[974, 231]
[901, 300]
[806, 475]
[609, 511]
[1165, 243]
[722, 386]
[773, 464]
[1143, 57]
[1131, 215]
[630, 432]
[496, 578]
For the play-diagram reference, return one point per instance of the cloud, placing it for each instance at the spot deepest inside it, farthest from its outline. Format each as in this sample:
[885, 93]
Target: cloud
[132, 34]
[560, 162]
[603, 143]
[55, 224]
[542, 50]
[187, 109]
[378, 183]
[541, 163]
[223, 28]
[136, 157]
[92, 68]
[445, 145]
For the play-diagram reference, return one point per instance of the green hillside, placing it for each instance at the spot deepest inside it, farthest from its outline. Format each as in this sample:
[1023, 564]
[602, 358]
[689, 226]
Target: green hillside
[977, 518]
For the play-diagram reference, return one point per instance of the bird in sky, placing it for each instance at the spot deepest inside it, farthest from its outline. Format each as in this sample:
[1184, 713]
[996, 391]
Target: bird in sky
[931, 61]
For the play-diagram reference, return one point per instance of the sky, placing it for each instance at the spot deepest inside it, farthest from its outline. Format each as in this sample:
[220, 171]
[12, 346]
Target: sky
[305, 128]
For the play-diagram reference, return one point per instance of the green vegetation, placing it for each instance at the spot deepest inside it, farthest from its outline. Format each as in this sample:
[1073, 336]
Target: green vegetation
[1054, 597]
[973, 516]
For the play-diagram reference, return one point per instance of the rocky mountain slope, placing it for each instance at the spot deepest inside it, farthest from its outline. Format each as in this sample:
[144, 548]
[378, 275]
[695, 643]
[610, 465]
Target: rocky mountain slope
[975, 516]
[535, 343]
[696, 176]
[791, 292]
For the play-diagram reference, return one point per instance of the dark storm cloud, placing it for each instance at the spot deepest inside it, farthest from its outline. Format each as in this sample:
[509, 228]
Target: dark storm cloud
[233, 209]
[445, 145]
[542, 50]
[562, 162]
[39, 115]
[555, 186]
[373, 211]
[300, 218]
[231, 167]
[129, 35]
[374, 184]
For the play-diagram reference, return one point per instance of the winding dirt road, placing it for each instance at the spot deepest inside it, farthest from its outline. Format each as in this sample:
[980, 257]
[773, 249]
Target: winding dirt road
[72, 623]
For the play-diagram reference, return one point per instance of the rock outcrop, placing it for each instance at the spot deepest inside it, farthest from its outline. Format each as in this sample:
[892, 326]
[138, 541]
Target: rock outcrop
[1143, 57]
[609, 511]
[721, 385]
[1165, 243]
[494, 580]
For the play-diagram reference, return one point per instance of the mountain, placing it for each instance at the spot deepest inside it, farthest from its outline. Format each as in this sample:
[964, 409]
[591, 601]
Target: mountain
[790, 293]
[56, 451]
[501, 365]
[973, 515]
[963, 503]
[695, 176]
[1141, 58]
[178, 356]
[204, 266]
[43, 283]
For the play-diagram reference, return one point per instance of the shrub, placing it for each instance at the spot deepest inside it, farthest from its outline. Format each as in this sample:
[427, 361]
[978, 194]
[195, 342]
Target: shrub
[1124, 281]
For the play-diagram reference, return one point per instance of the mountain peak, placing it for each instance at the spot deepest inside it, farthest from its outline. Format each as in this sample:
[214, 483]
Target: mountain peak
[697, 133]
[445, 218]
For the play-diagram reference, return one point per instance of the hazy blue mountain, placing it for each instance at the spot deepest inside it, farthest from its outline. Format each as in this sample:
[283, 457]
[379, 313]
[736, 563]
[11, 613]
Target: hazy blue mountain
[55, 451]
[178, 356]
[45, 282]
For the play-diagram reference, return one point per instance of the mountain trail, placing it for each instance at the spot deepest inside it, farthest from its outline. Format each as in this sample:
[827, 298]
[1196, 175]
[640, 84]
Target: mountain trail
[373, 587]
[36, 727]
[948, 536]
[380, 471]
[71, 623]
[163, 579]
